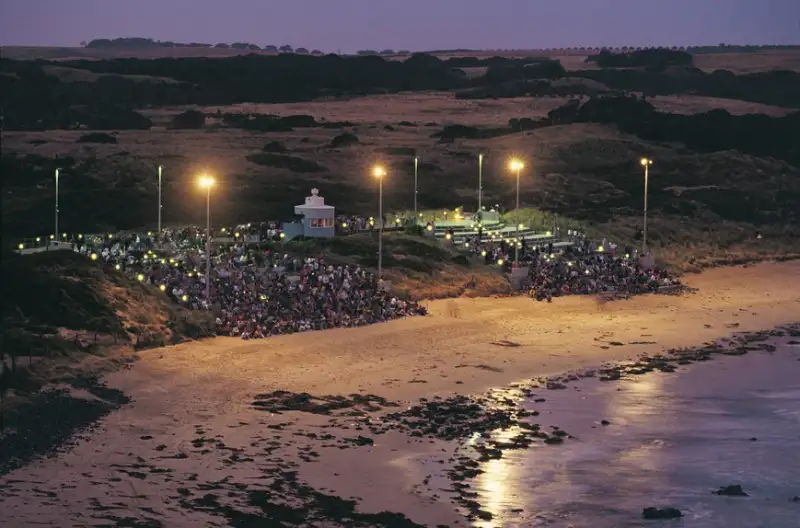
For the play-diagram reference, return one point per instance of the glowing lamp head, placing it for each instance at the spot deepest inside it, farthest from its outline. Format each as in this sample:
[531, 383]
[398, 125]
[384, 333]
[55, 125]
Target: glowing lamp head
[140, 277]
[185, 298]
[430, 228]
[483, 253]
[162, 287]
[21, 246]
[116, 267]
[447, 236]
[516, 165]
[283, 235]
[38, 239]
[93, 256]
[499, 262]
[645, 162]
[379, 172]
[52, 237]
[205, 182]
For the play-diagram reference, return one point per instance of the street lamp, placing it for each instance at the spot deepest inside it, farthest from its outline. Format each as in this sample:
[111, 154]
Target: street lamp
[480, 181]
[159, 201]
[517, 165]
[416, 169]
[646, 164]
[56, 230]
[207, 182]
[379, 172]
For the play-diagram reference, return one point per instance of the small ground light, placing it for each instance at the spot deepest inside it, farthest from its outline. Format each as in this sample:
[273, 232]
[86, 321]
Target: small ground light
[430, 228]
[283, 235]
[397, 220]
[162, 287]
[94, 256]
[38, 239]
[185, 298]
[110, 235]
[483, 253]
[447, 236]
[263, 297]
[52, 237]
[548, 233]
[116, 267]
[344, 225]
[21, 246]
[149, 233]
[236, 235]
[140, 277]
[63, 235]
[499, 262]
[80, 236]
[627, 255]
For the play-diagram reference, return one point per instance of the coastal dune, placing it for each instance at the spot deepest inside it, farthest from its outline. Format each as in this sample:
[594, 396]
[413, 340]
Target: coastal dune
[465, 346]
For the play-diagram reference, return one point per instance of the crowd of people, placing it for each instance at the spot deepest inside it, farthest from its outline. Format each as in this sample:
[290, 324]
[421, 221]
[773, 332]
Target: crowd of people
[582, 267]
[253, 292]
[258, 290]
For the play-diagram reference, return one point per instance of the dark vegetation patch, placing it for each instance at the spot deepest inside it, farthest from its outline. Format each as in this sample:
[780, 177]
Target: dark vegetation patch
[344, 140]
[717, 130]
[399, 151]
[652, 60]
[282, 161]
[97, 137]
[276, 147]
[191, 119]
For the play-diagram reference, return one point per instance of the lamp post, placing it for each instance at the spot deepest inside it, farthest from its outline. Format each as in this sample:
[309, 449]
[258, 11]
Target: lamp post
[379, 172]
[159, 202]
[416, 169]
[207, 182]
[480, 181]
[55, 233]
[646, 164]
[517, 165]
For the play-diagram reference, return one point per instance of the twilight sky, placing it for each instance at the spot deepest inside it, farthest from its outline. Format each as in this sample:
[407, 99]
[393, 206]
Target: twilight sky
[349, 25]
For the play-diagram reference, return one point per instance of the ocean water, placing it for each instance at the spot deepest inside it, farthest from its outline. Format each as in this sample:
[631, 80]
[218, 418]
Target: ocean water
[673, 439]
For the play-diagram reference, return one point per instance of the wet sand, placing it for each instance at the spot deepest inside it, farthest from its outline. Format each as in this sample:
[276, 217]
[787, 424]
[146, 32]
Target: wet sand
[192, 450]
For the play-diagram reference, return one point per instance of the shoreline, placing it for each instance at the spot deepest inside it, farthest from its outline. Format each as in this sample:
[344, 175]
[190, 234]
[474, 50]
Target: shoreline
[192, 421]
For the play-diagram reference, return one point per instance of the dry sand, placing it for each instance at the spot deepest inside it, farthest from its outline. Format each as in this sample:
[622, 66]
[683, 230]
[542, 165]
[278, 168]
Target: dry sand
[195, 399]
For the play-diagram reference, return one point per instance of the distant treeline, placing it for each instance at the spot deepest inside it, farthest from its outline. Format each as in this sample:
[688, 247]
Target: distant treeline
[141, 42]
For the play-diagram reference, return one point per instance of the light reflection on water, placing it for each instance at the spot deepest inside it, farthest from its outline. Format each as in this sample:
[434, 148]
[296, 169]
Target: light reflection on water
[672, 439]
[498, 480]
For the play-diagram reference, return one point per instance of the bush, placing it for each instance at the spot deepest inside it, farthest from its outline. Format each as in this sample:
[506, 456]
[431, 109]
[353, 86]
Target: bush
[97, 137]
[281, 161]
[400, 151]
[344, 140]
[274, 146]
[191, 119]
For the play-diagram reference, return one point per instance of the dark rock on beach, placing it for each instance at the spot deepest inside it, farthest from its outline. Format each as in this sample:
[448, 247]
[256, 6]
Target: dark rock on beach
[734, 490]
[653, 513]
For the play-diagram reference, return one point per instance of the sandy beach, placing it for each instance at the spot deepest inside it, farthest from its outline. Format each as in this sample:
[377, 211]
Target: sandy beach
[191, 449]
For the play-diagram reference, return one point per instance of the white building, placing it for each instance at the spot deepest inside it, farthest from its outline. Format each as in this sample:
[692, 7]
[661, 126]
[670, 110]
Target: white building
[318, 219]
